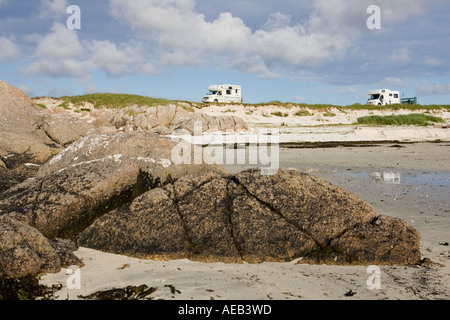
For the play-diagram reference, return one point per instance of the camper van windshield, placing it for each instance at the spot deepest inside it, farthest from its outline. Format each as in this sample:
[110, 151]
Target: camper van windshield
[374, 97]
[212, 93]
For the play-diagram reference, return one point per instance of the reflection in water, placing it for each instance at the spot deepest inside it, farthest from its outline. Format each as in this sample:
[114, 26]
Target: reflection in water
[388, 177]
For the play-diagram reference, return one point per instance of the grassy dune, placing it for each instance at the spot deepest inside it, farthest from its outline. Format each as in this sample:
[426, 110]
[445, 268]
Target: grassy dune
[111, 100]
[413, 119]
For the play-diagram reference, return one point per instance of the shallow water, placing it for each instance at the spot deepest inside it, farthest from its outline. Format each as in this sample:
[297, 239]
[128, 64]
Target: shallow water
[407, 177]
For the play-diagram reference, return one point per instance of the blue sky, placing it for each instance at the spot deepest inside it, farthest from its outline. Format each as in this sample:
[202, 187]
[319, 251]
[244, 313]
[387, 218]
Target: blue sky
[314, 51]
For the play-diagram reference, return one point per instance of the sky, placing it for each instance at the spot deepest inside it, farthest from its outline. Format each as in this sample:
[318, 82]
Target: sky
[315, 51]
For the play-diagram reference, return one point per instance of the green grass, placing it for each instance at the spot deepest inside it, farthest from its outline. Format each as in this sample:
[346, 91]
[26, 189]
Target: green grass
[41, 106]
[302, 113]
[413, 119]
[280, 114]
[110, 100]
[329, 114]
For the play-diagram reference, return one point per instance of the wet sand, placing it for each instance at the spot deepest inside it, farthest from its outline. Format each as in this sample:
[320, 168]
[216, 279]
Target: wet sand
[409, 181]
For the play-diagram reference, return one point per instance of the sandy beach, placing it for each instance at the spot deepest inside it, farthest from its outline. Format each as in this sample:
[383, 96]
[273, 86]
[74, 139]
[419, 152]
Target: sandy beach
[408, 181]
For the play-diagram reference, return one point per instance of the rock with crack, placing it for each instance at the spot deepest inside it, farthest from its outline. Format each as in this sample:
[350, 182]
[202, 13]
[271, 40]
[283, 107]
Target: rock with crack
[89, 179]
[386, 240]
[253, 218]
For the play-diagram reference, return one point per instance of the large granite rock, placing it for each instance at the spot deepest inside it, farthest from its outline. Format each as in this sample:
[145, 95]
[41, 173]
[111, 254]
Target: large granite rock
[253, 218]
[24, 250]
[20, 121]
[92, 177]
[68, 201]
[150, 152]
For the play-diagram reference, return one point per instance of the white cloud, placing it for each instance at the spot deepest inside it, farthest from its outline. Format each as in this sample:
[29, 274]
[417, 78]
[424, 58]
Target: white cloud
[53, 8]
[58, 54]
[401, 55]
[61, 43]
[183, 37]
[171, 33]
[8, 50]
[427, 89]
[119, 59]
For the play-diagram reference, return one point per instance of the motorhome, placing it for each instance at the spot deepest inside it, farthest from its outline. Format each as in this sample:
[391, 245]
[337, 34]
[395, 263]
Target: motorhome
[224, 93]
[382, 97]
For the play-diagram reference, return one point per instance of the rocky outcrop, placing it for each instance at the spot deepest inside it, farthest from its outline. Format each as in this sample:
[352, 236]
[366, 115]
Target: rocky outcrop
[160, 119]
[253, 218]
[151, 153]
[20, 119]
[90, 178]
[111, 205]
[189, 122]
[65, 129]
[30, 135]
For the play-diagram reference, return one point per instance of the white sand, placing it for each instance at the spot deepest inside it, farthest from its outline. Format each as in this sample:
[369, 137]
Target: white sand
[265, 281]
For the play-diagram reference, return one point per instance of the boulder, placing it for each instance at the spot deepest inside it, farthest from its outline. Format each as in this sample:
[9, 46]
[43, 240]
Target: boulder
[20, 126]
[92, 177]
[385, 239]
[24, 250]
[166, 114]
[65, 129]
[253, 218]
[150, 152]
[66, 202]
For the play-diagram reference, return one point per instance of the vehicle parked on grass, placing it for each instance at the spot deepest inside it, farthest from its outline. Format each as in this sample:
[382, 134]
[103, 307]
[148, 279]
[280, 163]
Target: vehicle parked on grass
[382, 97]
[224, 93]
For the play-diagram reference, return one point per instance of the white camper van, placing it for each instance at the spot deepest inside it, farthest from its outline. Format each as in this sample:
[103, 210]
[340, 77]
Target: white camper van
[225, 93]
[382, 97]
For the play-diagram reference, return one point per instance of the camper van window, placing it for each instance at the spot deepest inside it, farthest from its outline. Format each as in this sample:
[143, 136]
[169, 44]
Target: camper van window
[396, 96]
[228, 91]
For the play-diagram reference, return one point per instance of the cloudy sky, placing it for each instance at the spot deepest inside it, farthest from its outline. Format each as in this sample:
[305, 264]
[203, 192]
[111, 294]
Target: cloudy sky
[311, 51]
